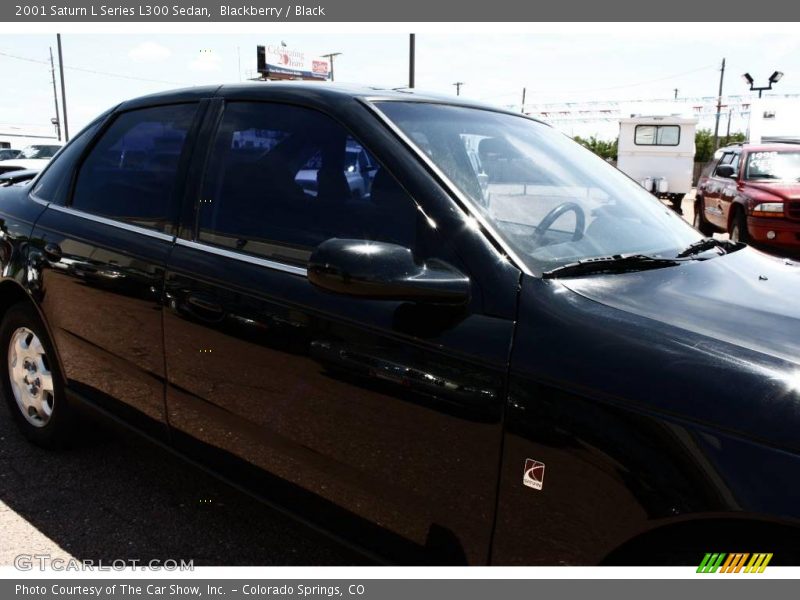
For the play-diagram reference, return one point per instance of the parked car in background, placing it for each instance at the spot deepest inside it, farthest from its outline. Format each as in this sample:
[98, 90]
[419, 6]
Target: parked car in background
[753, 193]
[33, 157]
[8, 153]
[521, 360]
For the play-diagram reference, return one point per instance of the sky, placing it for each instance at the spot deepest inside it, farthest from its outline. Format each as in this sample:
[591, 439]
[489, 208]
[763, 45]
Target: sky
[638, 61]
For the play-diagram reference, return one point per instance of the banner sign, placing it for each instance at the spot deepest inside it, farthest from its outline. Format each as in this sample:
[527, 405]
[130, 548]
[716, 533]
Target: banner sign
[278, 61]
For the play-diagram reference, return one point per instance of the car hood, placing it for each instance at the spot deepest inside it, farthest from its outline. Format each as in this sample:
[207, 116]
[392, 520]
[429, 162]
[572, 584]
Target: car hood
[745, 298]
[787, 191]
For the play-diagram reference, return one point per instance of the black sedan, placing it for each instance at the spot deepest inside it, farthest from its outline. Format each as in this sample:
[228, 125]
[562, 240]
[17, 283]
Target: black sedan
[529, 361]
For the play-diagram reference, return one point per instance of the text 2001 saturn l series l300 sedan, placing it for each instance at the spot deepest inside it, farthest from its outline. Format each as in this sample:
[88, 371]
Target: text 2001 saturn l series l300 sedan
[475, 342]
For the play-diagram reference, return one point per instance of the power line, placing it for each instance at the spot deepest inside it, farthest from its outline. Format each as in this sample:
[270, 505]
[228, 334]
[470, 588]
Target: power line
[92, 71]
[616, 87]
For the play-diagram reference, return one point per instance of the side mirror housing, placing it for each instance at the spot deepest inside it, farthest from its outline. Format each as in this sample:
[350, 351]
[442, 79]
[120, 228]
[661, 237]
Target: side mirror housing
[383, 271]
[726, 171]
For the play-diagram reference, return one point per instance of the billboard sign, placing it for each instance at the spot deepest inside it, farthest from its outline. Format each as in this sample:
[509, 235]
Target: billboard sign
[281, 62]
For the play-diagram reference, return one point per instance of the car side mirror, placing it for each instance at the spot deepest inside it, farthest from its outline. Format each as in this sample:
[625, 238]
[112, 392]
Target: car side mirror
[383, 271]
[726, 171]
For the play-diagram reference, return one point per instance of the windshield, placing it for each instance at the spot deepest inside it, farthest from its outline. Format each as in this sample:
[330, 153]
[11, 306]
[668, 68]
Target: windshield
[781, 166]
[39, 151]
[553, 201]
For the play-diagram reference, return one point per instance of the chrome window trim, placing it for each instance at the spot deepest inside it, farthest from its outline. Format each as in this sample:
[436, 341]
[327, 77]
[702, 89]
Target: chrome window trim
[248, 258]
[105, 220]
[487, 228]
[254, 260]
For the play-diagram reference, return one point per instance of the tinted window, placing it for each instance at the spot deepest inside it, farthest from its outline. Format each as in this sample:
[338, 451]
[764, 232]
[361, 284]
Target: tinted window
[131, 173]
[657, 135]
[282, 179]
[53, 185]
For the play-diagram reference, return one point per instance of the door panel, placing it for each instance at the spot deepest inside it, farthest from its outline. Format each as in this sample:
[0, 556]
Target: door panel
[727, 193]
[712, 196]
[105, 253]
[364, 403]
[380, 419]
[102, 299]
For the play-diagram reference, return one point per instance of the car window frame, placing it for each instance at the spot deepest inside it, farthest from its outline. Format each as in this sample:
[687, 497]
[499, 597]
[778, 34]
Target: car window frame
[184, 165]
[189, 228]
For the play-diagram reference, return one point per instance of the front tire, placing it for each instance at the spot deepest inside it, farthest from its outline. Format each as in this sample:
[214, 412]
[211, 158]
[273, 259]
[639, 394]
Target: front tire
[31, 380]
[699, 221]
[739, 232]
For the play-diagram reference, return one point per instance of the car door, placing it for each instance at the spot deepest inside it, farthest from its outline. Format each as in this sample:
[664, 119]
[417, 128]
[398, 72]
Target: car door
[378, 419]
[104, 251]
[712, 195]
[727, 191]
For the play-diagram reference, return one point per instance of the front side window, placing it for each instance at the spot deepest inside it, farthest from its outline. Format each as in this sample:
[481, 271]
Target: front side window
[553, 201]
[282, 179]
[131, 173]
[657, 135]
[776, 166]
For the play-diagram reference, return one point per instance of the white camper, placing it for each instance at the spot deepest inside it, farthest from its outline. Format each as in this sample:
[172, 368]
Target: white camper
[658, 152]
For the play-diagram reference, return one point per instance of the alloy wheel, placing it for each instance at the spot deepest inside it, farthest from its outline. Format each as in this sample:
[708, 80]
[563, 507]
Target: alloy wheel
[31, 378]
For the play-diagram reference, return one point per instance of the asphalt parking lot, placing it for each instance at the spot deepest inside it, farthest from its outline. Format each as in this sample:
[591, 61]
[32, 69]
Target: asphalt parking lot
[119, 497]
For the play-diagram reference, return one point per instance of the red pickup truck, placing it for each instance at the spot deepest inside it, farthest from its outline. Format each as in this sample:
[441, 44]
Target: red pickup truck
[753, 193]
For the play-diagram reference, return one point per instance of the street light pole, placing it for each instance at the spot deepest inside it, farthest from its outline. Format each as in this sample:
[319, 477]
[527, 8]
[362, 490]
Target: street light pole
[330, 57]
[719, 105]
[774, 78]
[412, 42]
[55, 94]
[63, 87]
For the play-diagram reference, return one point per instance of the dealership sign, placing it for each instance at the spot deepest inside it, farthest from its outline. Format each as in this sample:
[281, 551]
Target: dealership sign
[282, 62]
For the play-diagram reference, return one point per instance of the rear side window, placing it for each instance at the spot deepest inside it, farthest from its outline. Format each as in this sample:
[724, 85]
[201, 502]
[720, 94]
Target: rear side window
[282, 179]
[657, 135]
[131, 173]
[54, 183]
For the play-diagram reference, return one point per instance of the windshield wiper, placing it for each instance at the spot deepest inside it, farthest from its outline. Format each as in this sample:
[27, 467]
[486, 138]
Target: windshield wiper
[705, 244]
[611, 264]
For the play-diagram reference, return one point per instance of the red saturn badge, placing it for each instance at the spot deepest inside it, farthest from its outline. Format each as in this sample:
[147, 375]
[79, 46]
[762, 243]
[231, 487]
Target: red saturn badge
[533, 476]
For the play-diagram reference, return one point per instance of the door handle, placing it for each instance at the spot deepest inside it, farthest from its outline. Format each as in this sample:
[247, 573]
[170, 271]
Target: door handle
[205, 307]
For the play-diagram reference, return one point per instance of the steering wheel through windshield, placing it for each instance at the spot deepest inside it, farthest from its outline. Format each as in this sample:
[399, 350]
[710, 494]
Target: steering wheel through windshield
[555, 214]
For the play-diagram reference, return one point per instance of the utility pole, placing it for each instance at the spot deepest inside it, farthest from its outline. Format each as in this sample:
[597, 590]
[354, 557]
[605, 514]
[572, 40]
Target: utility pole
[55, 94]
[330, 57]
[728, 134]
[522, 106]
[412, 42]
[676, 93]
[63, 87]
[719, 105]
[458, 85]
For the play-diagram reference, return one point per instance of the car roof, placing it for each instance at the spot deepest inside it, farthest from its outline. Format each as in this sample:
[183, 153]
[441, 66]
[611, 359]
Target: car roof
[320, 93]
[766, 147]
